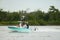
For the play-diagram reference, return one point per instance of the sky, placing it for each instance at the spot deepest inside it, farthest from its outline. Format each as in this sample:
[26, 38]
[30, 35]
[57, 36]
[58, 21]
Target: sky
[28, 5]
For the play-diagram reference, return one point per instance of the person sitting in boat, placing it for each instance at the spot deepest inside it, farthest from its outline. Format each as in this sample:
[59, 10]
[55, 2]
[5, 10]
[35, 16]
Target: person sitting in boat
[22, 24]
[25, 24]
[19, 25]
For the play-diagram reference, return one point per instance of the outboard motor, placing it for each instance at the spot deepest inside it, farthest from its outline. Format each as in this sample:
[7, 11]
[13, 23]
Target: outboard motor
[27, 26]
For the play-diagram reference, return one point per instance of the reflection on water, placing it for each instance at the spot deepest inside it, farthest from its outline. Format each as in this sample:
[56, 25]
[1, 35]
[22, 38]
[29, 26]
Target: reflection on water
[42, 33]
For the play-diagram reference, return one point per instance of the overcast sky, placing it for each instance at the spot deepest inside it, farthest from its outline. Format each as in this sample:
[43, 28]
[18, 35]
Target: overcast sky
[28, 5]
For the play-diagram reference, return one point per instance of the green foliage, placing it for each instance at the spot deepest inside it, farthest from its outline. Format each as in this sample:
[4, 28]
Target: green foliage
[9, 23]
[52, 17]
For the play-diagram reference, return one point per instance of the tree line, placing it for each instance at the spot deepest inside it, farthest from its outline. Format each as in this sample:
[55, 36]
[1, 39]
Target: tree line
[38, 17]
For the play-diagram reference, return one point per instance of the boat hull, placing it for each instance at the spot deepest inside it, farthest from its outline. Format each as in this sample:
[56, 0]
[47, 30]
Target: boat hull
[19, 29]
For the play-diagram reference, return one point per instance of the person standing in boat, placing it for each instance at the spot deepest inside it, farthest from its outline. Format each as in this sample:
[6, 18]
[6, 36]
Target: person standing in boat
[22, 21]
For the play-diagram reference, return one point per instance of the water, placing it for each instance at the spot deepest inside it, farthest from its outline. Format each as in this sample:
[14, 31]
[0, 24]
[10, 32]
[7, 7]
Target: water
[42, 33]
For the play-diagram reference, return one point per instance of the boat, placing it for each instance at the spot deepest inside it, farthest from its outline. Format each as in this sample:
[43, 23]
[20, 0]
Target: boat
[19, 29]
[21, 24]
